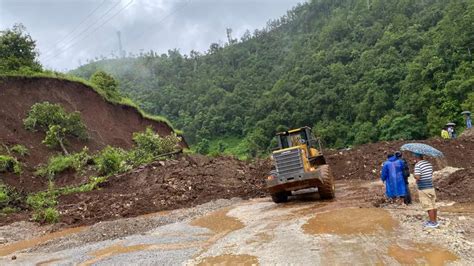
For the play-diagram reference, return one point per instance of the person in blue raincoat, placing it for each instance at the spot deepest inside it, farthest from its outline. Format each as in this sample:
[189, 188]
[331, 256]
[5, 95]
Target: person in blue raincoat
[392, 176]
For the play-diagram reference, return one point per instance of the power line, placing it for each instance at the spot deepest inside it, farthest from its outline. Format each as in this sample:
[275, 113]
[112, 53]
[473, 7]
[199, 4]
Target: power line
[167, 16]
[65, 46]
[80, 24]
[126, 6]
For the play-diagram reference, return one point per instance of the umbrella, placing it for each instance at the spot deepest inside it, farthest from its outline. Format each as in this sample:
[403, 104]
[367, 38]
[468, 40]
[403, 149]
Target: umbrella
[451, 124]
[422, 149]
[466, 113]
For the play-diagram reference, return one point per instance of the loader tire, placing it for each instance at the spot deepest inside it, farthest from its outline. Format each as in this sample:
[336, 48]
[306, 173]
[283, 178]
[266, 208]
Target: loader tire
[280, 197]
[327, 189]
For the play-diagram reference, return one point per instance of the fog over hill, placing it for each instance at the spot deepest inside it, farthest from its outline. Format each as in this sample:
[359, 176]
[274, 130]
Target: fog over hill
[70, 32]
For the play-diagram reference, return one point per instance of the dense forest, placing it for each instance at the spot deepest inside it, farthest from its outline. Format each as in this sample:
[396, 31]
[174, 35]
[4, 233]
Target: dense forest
[357, 71]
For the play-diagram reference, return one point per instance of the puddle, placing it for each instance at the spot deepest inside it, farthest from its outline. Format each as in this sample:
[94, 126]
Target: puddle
[153, 214]
[230, 260]
[48, 262]
[350, 221]
[459, 208]
[261, 238]
[312, 209]
[350, 252]
[113, 250]
[119, 249]
[422, 254]
[219, 222]
[29, 243]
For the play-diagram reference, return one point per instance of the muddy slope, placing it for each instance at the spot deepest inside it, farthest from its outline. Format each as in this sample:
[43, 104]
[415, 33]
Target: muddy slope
[191, 180]
[365, 162]
[107, 124]
[183, 182]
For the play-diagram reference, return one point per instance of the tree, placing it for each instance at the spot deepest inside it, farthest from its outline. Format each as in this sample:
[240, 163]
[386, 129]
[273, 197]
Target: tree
[56, 123]
[203, 146]
[360, 71]
[152, 143]
[107, 84]
[17, 50]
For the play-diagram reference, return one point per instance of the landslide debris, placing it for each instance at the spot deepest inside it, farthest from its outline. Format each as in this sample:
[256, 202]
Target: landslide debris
[186, 181]
[365, 162]
[107, 123]
[458, 186]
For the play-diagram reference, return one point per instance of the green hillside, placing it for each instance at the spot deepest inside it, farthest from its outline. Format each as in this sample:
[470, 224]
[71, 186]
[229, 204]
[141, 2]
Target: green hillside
[356, 70]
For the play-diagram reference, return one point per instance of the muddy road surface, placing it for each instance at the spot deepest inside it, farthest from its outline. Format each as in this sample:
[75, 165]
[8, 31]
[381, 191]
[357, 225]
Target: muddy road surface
[358, 228]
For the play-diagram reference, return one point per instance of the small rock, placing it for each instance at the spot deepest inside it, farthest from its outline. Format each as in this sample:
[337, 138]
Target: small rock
[462, 218]
[13, 257]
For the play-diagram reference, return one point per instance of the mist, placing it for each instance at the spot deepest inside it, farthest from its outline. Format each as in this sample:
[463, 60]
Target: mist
[71, 32]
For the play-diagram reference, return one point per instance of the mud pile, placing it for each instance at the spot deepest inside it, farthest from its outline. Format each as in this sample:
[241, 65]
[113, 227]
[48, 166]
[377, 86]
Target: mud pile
[165, 185]
[458, 186]
[365, 162]
[467, 134]
[107, 123]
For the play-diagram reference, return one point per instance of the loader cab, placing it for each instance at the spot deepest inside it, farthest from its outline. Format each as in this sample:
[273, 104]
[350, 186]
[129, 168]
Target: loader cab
[295, 137]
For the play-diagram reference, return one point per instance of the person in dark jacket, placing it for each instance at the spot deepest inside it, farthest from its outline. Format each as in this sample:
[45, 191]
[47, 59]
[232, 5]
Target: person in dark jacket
[406, 174]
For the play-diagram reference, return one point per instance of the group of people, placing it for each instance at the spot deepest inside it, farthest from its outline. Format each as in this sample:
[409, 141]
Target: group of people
[448, 131]
[395, 173]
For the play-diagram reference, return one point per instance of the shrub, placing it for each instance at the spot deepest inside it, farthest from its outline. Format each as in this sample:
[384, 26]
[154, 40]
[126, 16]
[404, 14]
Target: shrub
[91, 185]
[111, 160]
[8, 197]
[56, 137]
[60, 163]
[48, 215]
[19, 149]
[4, 195]
[56, 122]
[42, 200]
[137, 157]
[9, 210]
[9, 164]
[107, 84]
[203, 146]
[151, 143]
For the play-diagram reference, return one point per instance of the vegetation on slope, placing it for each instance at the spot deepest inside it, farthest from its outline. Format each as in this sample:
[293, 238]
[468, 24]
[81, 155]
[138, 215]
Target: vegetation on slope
[19, 58]
[357, 71]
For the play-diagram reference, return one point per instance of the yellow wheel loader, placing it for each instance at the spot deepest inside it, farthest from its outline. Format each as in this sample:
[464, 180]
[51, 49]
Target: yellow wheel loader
[298, 165]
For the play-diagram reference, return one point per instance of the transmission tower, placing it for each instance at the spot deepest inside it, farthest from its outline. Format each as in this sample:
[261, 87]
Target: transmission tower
[121, 52]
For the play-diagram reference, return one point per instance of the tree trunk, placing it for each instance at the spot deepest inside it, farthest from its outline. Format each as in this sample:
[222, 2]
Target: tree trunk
[62, 146]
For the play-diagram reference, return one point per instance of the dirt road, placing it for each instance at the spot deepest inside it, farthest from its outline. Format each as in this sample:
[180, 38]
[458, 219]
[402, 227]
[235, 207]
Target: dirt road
[349, 230]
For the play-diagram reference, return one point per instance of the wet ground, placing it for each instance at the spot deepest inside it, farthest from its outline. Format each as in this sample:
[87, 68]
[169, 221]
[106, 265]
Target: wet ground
[305, 231]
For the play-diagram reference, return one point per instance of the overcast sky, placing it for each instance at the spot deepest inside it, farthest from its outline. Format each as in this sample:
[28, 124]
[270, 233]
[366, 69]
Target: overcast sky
[68, 32]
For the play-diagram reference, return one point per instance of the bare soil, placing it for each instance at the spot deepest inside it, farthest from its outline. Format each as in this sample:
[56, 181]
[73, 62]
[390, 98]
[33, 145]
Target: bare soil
[458, 186]
[165, 185]
[107, 123]
[365, 162]
[186, 180]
